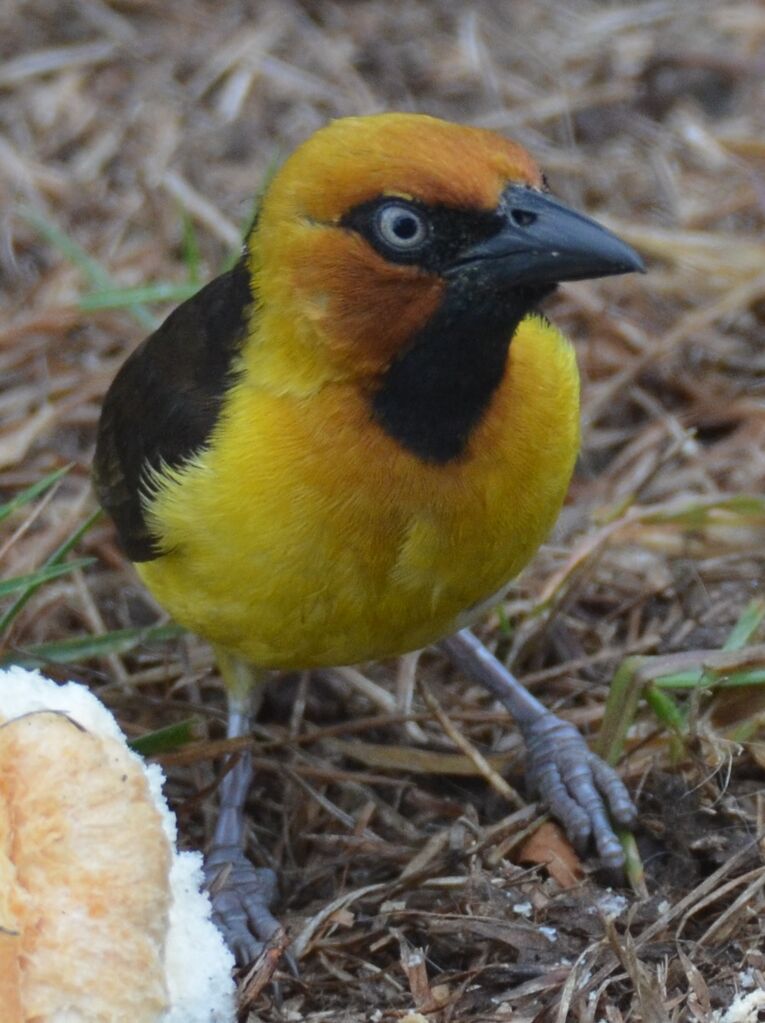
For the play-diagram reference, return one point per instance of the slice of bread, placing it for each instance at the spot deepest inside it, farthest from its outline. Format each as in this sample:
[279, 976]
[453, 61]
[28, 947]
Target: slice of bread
[101, 920]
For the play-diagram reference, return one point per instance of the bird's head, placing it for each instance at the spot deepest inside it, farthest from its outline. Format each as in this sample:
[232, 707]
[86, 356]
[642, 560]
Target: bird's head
[377, 225]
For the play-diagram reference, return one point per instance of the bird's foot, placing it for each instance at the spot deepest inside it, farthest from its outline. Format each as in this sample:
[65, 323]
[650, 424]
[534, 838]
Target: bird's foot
[241, 896]
[579, 788]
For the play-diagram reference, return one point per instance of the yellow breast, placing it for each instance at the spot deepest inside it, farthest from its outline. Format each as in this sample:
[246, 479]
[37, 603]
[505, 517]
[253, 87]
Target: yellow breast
[305, 536]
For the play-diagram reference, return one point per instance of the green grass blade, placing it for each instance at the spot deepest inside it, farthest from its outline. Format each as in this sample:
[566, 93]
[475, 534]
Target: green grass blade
[55, 558]
[191, 255]
[750, 677]
[84, 648]
[745, 731]
[165, 740]
[120, 298]
[697, 514]
[28, 495]
[746, 626]
[623, 698]
[633, 864]
[505, 628]
[690, 679]
[697, 679]
[41, 576]
[665, 708]
[70, 250]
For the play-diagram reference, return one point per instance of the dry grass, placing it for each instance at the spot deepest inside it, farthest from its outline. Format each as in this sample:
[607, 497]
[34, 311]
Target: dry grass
[140, 131]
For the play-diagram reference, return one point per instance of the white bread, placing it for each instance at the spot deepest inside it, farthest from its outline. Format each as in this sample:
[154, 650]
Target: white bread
[101, 920]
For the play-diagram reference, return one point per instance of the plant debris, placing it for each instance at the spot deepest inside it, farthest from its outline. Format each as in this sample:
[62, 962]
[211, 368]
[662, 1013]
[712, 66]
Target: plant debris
[417, 885]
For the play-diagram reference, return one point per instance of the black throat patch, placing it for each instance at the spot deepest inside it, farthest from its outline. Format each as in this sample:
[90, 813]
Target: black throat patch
[436, 392]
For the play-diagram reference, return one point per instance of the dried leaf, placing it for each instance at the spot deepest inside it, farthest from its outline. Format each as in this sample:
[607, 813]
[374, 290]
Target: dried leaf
[416, 761]
[549, 847]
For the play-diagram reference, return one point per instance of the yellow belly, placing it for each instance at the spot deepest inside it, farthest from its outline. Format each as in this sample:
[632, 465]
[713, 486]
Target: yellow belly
[304, 536]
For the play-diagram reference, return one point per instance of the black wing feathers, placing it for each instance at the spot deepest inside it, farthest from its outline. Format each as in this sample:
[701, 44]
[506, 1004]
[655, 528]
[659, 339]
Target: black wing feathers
[166, 399]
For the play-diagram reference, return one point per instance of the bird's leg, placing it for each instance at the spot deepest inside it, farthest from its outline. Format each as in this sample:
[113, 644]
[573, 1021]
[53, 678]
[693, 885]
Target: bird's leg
[579, 788]
[241, 894]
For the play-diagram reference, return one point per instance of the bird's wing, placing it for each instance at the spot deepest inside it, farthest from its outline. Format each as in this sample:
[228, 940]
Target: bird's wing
[165, 401]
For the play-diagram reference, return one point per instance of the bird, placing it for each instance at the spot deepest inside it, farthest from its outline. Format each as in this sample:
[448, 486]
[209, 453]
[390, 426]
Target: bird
[348, 445]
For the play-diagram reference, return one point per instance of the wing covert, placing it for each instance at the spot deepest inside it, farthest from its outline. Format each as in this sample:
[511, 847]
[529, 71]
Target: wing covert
[166, 399]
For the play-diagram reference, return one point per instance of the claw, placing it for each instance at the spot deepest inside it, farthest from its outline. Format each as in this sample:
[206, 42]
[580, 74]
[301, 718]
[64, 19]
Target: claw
[622, 808]
[579, 788]
[241, 896]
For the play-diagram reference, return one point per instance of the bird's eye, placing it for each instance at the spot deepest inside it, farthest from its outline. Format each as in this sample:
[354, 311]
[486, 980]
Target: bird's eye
[523, 218]
[401, 227]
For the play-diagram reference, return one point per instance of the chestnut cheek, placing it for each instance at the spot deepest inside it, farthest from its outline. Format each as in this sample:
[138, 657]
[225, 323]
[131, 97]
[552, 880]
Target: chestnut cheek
[367, 309]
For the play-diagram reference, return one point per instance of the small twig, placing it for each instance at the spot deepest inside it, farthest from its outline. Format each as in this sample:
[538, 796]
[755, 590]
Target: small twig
[263, 969]
[482, 765]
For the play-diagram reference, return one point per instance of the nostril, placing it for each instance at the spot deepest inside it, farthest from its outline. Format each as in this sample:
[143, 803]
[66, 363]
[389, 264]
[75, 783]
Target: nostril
[523, 218]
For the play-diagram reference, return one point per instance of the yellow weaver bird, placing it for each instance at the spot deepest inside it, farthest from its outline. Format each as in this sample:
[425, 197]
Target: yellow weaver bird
[346, 446]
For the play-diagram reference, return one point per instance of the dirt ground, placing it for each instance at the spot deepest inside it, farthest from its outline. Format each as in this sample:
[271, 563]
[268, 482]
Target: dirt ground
[133, 137]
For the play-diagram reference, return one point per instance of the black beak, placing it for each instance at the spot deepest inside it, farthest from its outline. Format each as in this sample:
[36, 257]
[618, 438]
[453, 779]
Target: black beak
[544, 242]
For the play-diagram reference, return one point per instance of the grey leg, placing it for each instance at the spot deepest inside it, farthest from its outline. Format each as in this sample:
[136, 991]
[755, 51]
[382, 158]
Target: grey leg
[241, 894]
[579, 788]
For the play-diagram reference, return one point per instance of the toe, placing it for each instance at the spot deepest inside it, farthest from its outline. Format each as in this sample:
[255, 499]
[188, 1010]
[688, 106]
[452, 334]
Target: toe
[623, 810]
[241, 896]
[547, 783]
[581, 785]
[257, 899]
[579, 788]
[244, 947]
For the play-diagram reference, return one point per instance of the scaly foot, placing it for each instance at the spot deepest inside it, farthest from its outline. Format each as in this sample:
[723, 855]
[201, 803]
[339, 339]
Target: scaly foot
[580, 789]
[242, 896]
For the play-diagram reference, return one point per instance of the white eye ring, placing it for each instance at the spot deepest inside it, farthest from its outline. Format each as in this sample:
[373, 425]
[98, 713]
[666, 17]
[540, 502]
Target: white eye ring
[401, 227]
